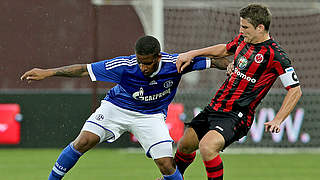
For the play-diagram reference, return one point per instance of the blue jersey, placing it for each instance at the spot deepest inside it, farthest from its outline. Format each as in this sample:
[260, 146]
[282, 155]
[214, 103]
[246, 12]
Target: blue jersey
[136, 92]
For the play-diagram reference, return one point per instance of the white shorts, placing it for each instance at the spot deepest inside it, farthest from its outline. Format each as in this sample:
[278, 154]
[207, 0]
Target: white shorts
[109, 122]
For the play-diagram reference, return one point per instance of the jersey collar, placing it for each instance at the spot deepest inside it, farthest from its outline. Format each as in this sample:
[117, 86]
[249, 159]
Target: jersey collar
[157, 71]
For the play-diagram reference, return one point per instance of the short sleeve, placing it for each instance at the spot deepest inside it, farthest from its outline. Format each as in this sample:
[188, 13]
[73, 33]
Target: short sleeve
[110, 70]
[284, 69]
[198, 63]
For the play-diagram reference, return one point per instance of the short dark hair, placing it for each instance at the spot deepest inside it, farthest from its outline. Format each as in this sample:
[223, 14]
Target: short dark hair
[257, 14]
[147, 45]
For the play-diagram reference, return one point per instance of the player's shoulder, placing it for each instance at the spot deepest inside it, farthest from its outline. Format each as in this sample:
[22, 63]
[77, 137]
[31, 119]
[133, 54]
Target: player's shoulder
[169, 58]
[121, 61]
[130, 57]
[240, 37]
[168, 63]
[236, 41]
[279, 53]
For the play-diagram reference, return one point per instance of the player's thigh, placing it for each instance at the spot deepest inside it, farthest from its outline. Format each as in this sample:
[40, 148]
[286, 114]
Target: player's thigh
[153, 135]
[189, 142]
[230, 127]
[108, 122]
[200, 124]
[212, 142]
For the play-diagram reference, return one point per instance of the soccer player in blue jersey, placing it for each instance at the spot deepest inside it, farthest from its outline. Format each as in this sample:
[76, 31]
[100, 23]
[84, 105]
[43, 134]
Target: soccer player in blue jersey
[258, 61]
[146, 84]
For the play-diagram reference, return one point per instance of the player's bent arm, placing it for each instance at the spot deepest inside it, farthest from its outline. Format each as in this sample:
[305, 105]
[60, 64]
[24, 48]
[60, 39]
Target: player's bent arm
[220, 63]
[219, 50]
[288, 104]
[76, 70]
[185, 59]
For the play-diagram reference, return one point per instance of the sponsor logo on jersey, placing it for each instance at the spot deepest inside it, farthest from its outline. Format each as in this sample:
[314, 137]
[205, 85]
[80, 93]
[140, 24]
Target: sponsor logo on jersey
[99, 117]
[243, 76]
[139, 95]
[153, 82]
[242, 62]
[258, 58]
[168, 84]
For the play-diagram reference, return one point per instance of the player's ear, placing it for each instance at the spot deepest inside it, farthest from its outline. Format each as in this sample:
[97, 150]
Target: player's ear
[260, 27]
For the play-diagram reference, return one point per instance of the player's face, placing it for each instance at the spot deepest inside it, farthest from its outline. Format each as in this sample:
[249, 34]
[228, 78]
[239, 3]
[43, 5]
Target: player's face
[148, 63]
[250, 33]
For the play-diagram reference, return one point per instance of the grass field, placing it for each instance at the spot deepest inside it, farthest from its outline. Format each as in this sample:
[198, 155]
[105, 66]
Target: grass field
[117, 164]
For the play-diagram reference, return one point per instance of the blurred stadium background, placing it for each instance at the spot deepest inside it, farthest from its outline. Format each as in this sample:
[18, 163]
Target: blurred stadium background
[54, 33]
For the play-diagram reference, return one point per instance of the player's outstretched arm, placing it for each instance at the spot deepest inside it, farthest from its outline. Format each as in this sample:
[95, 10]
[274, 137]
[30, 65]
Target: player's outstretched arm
[185, 59]
[220, 63]
[288, 104]
[36, 74]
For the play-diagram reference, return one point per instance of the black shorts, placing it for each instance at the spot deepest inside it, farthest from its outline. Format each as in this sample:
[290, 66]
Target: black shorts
[229, 125]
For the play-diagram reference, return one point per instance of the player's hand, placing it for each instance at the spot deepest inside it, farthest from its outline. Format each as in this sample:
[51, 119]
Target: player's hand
[272, 126]
[230, 69]
[184, 60]
[35, 74]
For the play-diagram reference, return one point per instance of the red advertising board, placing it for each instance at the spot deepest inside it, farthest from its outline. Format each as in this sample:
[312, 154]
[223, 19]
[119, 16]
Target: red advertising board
[9, 123]
[173, 121]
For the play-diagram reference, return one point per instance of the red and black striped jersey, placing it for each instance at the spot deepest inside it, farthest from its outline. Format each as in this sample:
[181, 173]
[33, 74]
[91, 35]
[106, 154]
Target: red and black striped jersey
[256, 68]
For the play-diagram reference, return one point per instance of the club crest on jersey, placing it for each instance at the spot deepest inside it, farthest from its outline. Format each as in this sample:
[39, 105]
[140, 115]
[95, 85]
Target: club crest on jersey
[168, 84]
[258, 58]
[242, 62]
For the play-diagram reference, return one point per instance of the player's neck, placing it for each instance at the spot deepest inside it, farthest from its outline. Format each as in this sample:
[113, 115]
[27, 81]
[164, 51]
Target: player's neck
[263, 38]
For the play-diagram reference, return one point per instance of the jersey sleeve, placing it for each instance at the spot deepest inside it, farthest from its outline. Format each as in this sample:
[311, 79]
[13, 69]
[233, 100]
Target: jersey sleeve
[198, 63]
[110, 70]
[283, 67]
[232, 45]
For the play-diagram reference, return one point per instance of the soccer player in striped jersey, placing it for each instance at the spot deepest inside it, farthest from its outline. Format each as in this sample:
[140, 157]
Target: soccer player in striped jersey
[258, 61]
[146, 84]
